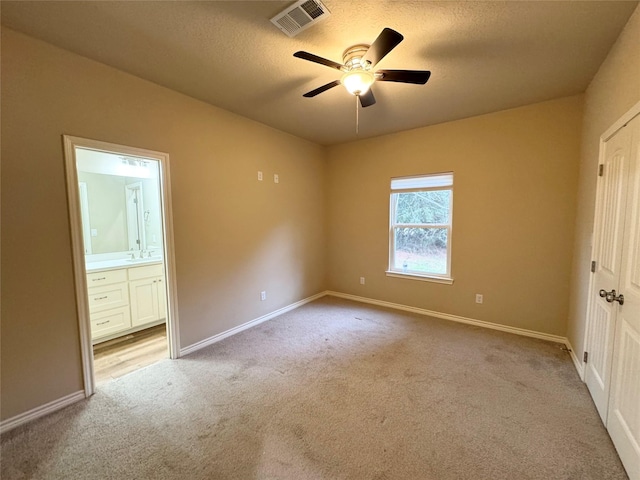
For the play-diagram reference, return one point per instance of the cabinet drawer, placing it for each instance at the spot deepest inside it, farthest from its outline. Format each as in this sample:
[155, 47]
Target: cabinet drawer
[145, 272]
[108, 277]
[110, 322]
[108, 296]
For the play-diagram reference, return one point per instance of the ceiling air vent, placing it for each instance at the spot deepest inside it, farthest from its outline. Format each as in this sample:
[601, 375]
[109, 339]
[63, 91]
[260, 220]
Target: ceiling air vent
[300, 16]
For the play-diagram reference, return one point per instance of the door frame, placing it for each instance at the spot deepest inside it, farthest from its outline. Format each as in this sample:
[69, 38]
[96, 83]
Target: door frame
[610, 132]
[77, 246]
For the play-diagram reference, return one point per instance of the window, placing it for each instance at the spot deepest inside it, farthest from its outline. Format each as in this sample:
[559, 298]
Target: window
[420, 227]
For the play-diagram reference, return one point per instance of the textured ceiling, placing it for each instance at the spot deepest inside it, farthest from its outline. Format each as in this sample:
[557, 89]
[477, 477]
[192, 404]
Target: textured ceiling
[484, 56]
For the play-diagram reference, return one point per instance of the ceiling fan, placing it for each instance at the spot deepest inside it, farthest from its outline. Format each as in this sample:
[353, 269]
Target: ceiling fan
[358, 63]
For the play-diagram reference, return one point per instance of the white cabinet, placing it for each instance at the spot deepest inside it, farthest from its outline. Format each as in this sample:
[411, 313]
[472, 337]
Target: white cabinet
[107, 297]
[148, 299]
[108, 302]
[110, 322]
[106, 277]
[125, 300]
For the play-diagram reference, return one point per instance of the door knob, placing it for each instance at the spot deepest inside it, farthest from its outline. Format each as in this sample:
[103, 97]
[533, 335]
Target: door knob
[611, 296]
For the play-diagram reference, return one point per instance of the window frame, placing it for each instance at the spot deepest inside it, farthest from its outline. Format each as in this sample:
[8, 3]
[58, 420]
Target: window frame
[446, 277]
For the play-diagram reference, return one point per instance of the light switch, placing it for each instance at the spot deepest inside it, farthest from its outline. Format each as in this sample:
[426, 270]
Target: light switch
[94, 232]
[276, 178]
[260, 176]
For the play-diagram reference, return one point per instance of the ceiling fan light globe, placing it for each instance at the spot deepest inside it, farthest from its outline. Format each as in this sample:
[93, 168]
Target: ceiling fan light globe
[357, 82]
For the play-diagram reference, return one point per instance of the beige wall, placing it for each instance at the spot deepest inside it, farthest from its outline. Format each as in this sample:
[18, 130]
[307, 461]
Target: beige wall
[612, 92]
[513, 215]
[234, 236]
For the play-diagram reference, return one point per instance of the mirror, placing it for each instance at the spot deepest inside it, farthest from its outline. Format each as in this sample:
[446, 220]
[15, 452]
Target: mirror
[120, 203]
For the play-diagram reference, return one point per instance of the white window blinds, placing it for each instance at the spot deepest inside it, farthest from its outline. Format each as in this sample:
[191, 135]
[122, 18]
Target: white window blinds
[425, 181]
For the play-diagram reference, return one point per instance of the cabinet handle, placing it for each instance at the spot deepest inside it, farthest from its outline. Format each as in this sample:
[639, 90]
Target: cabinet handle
[101, 298]
[96, 279]
[102, 323]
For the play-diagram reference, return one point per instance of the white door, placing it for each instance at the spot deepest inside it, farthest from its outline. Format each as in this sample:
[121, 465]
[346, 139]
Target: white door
[609, 224]
[613, 364]
[623, 420]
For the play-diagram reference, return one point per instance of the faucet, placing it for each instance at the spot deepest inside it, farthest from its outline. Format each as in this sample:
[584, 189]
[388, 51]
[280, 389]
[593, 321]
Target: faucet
[141, 253]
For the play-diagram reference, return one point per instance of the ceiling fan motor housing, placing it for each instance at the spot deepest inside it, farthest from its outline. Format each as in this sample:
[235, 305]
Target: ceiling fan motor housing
[358, 77]
[352, 57]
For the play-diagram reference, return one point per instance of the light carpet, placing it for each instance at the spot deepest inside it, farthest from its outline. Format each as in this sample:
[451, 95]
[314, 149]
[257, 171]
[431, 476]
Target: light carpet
[333, 390]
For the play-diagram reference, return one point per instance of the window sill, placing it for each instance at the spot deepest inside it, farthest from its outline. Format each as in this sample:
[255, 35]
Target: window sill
[422, 278]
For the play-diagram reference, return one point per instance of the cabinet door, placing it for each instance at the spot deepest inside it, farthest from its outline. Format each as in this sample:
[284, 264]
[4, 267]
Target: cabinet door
[162, 298]
[144, 301]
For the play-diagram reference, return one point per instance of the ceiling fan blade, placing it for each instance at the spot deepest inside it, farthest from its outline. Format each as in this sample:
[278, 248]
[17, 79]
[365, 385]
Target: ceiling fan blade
[316, 59]
[321, 89]
[404, 76]
[386, 41]
[367, 99]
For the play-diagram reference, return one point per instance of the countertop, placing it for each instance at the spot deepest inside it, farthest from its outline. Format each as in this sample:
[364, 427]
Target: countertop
[120, 263]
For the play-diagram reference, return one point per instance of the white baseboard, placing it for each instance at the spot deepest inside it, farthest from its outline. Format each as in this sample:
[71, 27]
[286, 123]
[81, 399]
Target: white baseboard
[453, 318]
[41, 411]
[576, 361]
[252, 323]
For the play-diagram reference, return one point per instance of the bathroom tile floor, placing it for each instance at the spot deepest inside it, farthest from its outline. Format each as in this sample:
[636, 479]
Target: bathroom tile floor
[123, 355]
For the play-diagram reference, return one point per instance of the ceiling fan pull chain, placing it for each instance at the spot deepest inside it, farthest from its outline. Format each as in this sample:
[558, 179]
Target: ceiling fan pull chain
[357, 115]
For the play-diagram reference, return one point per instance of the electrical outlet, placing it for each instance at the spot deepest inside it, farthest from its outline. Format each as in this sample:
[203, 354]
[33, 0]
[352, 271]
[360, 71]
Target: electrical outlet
[263, 296]
[479, 298]
[361, 280]
[259, 176]
[276, 178]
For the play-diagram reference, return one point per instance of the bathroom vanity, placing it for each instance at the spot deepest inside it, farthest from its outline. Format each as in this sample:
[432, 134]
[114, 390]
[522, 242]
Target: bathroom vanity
[125, 296]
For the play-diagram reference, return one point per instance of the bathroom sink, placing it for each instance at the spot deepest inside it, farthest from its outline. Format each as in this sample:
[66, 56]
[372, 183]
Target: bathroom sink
[142, 260]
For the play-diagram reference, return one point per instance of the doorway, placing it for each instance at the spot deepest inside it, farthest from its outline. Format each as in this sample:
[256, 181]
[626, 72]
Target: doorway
[121, 225]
